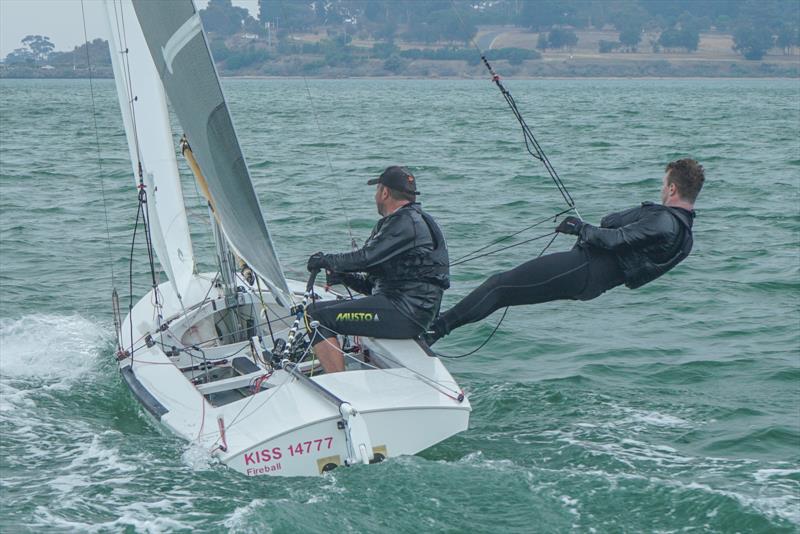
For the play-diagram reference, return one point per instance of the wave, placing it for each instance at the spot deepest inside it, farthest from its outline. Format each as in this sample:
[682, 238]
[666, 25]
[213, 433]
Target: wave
[52, 347]
[45, 358]
[264, 164]
[600, 144]
[786, 375]
[765, 439]
[695, 371]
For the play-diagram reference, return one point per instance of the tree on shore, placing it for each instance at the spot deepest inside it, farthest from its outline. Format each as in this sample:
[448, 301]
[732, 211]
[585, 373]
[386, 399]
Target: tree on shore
[35, 48]
[630, 37]
[225, 19]
[752, 42]
[788, 38]
[763, 24]
[441, 25]
[99, 56]
[547, 13]
[40, 46]
[557, 38]
[294, 15]
[688, 38]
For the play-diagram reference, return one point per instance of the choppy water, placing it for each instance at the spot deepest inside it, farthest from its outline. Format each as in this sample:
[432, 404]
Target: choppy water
[674, 407]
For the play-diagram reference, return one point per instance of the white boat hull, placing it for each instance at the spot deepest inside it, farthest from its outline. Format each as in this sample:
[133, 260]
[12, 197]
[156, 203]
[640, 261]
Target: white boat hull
[398, 399]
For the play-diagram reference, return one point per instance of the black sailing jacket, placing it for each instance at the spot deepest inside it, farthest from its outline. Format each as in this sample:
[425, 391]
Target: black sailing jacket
[404, 258]
[648, 240]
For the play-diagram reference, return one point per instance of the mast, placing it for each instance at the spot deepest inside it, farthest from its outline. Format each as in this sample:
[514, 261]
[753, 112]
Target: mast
[225, 259]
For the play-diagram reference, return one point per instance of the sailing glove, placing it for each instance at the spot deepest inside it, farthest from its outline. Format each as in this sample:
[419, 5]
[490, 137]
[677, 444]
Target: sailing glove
[317, 261]
[333, 278]
[570, 225]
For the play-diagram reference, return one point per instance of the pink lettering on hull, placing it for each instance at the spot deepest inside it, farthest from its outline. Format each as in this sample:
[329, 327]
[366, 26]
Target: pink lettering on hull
[264, 470]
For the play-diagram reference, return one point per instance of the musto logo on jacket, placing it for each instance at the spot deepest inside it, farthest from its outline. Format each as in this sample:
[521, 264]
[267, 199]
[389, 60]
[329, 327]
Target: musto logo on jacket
[357, 316]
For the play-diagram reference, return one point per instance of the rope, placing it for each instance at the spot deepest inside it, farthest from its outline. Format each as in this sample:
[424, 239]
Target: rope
[130, 275]
[140, 214]
[345, 354]
[142, 195]
[531, 144]
[534, 225]
[265, 309]
[535, 150]
[417, 374]
[195, 310]
[553, 233]
[485, 341]
[353, 243]
[250, 400]
[119, 18]
[99, 157]
[150, 252]
[505, 311]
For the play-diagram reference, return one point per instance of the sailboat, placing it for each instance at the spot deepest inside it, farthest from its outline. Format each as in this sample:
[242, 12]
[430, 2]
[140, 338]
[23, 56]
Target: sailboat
[222, 359]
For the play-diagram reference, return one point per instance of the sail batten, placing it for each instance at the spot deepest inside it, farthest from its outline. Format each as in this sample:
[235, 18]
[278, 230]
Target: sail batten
[180, 52]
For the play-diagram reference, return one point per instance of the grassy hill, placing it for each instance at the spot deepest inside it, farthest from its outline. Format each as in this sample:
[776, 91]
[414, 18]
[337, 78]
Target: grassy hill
[714, 57]
[512, 50]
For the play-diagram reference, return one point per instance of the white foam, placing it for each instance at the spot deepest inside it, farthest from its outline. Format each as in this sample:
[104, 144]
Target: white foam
[59, 348]
[765, 475]
[197, 457]
[100, 459]
[81, 467]
[12, 398]
[141, 519]
[40, 353]
[477, 459]
[636, 417]
[242, 516]
[777, 497]
[659, 419]
[783, 506]
[571, 505]
[630, 452]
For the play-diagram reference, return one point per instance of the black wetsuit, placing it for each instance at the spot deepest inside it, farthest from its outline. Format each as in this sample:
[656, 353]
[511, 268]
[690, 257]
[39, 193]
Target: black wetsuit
[632, 247]
[403, 266]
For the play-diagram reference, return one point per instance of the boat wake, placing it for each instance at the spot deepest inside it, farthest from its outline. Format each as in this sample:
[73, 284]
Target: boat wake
[49, 352]
[198, 458]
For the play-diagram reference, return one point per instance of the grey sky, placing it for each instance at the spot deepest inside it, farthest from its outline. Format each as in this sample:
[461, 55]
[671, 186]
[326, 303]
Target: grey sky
[61, 21]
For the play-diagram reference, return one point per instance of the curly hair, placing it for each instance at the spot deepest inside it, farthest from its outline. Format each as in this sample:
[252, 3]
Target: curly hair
[688, 177]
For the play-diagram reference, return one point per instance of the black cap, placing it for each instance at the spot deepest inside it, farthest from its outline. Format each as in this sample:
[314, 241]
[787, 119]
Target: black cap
[397, 178]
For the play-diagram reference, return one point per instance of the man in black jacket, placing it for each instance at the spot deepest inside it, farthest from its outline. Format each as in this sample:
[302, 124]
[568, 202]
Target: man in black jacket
[633, 247]
[403, 267]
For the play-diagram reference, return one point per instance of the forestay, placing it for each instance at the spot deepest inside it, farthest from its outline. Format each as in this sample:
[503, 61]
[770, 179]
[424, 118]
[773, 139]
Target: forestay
[144, 108]
[180, 52]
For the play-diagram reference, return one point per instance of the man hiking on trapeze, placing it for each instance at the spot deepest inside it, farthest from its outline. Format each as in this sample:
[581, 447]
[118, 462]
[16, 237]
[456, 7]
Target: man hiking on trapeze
[633, 247]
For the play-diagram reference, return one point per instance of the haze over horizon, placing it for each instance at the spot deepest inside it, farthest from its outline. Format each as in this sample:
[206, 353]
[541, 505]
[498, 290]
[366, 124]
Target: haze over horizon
[62, 22]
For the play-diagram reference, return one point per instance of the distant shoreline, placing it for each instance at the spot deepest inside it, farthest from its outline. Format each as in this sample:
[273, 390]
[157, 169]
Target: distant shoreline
[461, 70]
[437, 78]
[524, 78]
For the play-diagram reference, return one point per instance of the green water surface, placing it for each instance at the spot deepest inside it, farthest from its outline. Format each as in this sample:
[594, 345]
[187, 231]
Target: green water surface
[675, 407]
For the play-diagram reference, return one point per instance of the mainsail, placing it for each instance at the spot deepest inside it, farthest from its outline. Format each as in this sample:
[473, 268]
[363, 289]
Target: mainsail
[144, 108]
[179, 49]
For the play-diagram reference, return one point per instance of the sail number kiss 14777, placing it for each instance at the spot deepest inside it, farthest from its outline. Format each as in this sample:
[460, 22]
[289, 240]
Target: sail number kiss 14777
[276, 453]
